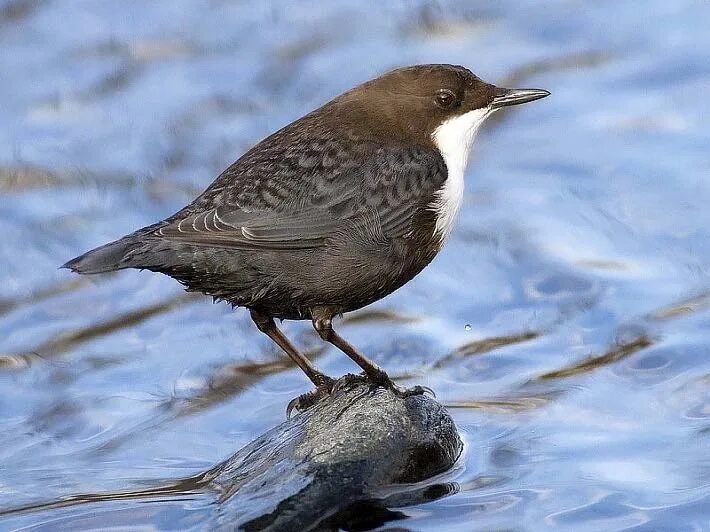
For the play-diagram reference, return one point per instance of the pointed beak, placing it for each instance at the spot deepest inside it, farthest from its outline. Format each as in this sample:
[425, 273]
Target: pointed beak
[506, 97]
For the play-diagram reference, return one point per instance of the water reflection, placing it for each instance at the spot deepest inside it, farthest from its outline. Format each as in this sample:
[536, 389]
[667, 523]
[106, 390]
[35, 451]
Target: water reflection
[66, 340]
[615, 354]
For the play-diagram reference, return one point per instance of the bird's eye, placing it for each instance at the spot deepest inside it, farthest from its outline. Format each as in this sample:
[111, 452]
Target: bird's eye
[445, 98]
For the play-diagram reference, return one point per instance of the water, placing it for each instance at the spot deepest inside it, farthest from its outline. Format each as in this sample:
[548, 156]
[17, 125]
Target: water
[566, 324]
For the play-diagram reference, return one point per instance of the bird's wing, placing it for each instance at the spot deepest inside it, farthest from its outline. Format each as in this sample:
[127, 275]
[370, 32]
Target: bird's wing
[222, 227]
[377, 199]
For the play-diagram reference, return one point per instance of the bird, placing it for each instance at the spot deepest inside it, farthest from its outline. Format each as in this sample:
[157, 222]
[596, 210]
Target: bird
[329, 214]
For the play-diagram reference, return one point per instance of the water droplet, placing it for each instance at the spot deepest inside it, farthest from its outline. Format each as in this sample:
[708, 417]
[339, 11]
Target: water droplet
[467, 326]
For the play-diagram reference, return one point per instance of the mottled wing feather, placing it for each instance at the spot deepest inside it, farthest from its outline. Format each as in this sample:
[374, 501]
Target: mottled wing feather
[223, 228]
[380, 196]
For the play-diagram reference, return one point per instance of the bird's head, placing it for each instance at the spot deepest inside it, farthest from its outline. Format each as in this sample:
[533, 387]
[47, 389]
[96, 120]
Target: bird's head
[440, 104]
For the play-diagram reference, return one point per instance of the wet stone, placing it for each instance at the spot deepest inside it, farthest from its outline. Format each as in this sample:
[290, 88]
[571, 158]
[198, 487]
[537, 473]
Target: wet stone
[330, 462]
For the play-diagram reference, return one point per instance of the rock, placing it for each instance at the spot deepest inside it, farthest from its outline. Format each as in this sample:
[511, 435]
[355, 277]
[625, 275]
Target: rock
[335, 466]
[328, 466]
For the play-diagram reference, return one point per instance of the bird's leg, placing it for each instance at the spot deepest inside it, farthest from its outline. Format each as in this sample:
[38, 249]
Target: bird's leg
[322, 323]
[323, 383]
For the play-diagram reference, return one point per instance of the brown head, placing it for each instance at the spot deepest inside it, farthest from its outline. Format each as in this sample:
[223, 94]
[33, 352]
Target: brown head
[410, 103]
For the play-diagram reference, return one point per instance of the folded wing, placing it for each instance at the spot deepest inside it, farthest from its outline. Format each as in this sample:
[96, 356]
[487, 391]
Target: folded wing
[378, 199]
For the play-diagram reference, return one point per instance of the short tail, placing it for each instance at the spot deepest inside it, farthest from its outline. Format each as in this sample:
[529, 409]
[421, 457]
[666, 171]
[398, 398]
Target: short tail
[107, 258]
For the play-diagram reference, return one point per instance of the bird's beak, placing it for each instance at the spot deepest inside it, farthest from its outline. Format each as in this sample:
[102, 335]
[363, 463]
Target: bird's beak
[505, 97]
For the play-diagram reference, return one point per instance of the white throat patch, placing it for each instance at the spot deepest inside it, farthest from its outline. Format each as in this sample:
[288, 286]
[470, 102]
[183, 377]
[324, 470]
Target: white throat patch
[454, 138]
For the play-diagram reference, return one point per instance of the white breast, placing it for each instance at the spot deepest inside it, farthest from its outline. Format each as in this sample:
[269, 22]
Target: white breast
[454, 138]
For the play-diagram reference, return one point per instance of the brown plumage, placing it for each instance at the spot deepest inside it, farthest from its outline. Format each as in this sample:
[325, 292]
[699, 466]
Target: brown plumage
[325, 216]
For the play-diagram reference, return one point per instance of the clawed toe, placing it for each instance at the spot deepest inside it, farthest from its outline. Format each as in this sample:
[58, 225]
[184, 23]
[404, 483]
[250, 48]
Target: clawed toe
[382, 379]
[349, 380]
[302, 402]
[409, 392]
[330, 386]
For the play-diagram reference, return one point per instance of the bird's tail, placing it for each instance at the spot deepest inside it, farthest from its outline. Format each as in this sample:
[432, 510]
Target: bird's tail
[106, 258]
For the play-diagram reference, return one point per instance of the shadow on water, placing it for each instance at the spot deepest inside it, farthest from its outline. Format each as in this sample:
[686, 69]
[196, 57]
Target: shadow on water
[360, 515]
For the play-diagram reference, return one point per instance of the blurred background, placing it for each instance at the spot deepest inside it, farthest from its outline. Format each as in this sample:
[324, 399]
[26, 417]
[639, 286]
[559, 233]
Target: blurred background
[566, 325]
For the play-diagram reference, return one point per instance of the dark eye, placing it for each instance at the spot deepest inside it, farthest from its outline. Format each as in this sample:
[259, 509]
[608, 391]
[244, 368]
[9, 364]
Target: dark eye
[445, 98]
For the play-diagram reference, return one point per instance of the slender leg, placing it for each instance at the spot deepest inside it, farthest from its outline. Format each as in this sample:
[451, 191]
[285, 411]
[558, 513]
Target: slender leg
[322, 323]
[266, 325]
[324, 327]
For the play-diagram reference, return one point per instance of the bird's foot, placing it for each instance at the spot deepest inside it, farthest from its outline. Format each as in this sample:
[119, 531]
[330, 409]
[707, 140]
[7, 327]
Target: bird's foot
[330, 386]
[302, 402]
[380, 378]
[349, 380]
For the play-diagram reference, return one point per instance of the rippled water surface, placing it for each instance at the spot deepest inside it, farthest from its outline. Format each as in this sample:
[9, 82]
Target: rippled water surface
[566, 324]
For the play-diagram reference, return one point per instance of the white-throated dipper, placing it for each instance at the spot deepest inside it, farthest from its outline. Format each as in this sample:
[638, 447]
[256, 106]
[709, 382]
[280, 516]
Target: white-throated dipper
[331, 213]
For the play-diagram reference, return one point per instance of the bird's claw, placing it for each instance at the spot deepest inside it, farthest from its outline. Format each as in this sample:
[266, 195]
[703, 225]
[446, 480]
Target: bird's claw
[306, 400]
[420, 390]
[330, 386]
[348, 380]
[382, 379]
[409, 392]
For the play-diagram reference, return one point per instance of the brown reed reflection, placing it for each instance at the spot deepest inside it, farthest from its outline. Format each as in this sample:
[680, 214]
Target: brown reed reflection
[185, 486]
[485, 345]
[42, 294]
[20, 178]
[64, 341]
[378, 315]
[682, 308]
[617, 352]
[584, 59]
[508, 405]
[233, 379]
